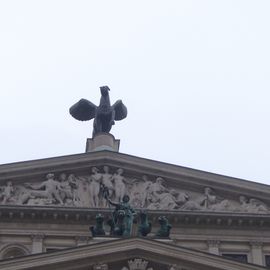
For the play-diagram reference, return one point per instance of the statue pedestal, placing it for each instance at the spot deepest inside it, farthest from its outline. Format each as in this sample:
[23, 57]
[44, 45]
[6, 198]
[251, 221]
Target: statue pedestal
[102, 141]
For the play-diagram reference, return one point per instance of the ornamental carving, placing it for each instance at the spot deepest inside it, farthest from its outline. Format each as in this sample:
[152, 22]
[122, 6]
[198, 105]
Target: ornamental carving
[137, 264]
[152, 194]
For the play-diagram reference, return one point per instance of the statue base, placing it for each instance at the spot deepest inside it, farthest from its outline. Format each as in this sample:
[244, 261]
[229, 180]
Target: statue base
[102, 141]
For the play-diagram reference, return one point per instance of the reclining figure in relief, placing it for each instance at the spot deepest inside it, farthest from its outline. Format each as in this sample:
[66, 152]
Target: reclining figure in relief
[48, 191]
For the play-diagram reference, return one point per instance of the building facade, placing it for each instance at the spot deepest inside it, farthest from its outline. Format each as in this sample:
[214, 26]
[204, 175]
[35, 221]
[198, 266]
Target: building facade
[47, 207]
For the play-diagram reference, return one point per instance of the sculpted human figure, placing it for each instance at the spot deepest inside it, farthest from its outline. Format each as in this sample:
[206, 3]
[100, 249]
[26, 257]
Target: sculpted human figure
[119, 185]
[51, 190]
[172, 199]
[139, 191]
[224, 205]
[144, 190]
[251, 205]
[82, 192]
[106, 183]
[66, 190]
[208, 199]
[8, 193]
[155, 189]
[73, 183]
[68, 185]
[164, 201]
[94, 187]
[129, 213]
[136, 193]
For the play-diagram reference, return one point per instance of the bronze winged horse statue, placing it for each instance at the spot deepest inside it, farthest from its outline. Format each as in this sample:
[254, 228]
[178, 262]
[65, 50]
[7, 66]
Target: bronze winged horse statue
[104, 115]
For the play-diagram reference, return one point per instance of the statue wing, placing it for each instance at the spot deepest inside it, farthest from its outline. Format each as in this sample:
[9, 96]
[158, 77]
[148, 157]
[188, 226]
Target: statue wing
[83, 110]
[120, 110]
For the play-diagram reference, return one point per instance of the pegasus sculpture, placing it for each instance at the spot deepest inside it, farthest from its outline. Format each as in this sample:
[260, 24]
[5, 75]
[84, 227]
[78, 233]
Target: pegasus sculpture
[104, 115]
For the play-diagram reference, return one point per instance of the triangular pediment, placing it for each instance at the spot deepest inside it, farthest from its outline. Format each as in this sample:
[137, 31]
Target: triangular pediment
[150, 184]
[131, 254]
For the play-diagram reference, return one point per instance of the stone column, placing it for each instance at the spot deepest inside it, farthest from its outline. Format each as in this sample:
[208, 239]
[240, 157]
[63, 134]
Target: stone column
[256, 252]
[37, 243]
[213, 246]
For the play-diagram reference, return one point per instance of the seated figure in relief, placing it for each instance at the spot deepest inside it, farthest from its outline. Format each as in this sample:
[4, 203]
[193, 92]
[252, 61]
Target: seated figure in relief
[155, 189]
[169, 200]
[7, 193]
[48, 191]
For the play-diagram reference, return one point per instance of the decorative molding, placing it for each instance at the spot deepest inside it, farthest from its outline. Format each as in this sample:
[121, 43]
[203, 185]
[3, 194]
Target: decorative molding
[176, 267]
[37, 237]
[101, 266]
[87, 216]
[137, 264]
[9, 247]
[213, 243]
[256, 244]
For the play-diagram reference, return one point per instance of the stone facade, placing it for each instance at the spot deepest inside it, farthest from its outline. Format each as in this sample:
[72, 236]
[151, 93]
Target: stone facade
[73, 190]
[48, 205]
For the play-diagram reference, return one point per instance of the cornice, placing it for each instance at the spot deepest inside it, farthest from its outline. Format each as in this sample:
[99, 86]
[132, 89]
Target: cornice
[124, 249]
[178, 219]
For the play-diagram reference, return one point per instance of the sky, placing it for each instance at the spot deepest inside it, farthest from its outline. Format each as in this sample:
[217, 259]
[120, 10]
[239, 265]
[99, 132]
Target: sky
[194, 75]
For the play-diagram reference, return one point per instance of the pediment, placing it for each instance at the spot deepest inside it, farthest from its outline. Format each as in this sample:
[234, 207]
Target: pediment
[126, 254]
[152, 185]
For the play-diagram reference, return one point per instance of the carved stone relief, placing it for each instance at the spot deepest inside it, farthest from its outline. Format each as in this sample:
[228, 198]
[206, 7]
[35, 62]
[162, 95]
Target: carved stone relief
[152, 194]
[137, 264]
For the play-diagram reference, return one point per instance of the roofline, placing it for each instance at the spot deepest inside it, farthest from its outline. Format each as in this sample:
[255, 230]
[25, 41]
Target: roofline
[135, 243]
[107, 152]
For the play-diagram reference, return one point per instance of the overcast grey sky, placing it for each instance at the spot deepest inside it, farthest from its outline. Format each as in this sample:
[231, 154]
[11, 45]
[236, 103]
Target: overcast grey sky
[195, 76]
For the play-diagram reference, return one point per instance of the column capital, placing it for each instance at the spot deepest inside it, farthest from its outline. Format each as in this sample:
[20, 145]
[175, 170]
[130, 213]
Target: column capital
[257, 244]
[37, 237]
[213, 243]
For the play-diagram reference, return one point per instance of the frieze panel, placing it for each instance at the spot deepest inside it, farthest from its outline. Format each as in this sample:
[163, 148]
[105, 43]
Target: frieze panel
[89, 190]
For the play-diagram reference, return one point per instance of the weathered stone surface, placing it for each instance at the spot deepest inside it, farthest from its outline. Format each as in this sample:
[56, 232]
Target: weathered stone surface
[68, 189]
[102, 141]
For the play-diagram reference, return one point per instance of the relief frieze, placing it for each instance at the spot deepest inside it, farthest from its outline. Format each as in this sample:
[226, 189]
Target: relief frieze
[88, 191]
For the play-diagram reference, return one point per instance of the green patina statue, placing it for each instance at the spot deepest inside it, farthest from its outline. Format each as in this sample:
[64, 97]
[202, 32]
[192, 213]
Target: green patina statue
[145, 226]
[98, 229]
[165, 227]
[123, 216]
